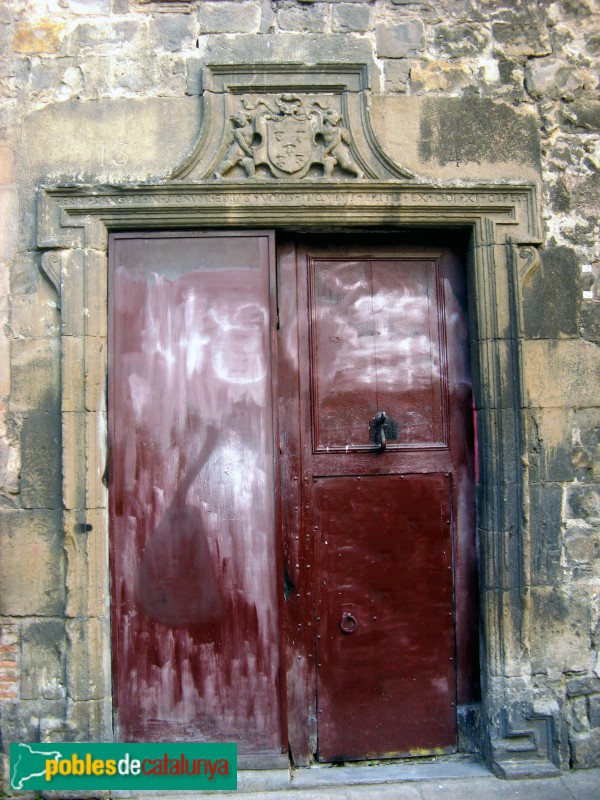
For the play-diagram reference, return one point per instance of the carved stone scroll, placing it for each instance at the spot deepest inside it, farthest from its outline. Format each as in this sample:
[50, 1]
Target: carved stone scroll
[51, 265]
[529, 261]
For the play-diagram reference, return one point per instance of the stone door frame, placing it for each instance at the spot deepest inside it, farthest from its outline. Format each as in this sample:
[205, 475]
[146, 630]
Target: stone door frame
[73, 227]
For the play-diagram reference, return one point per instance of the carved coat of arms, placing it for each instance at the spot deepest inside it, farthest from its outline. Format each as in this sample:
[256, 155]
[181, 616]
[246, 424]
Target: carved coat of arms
[288, 135]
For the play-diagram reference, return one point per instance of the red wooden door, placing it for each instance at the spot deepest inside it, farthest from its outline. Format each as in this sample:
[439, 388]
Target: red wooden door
[379, 544]
[193, 489]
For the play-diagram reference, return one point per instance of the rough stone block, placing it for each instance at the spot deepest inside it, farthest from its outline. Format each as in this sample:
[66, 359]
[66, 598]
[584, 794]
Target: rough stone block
[348, 17]
[439, 76]
[227, 17]
[594, 711]
[521, 33]
[396, 72]
[583, 502]
[35, 368]
[477, 129]
[35, 314]
[586, 429]
[171, 75]
[545, 525]
[18, 723]
[552, 296]
[585, 749]
[40, 460]
[92, 719]
[579, 687]
[559, 635]
[103, 138]
[552, 78]
[5, 382]
[10, 456]
[136, 76]
[7, 159]
[550, 440]
[42, 36]
[10, 673]
[400, 40]
[590, 321]
[50, 79]
[558, 373]
[25, 275]
[312, 19]
[583, 115]
[585, 191]
[582, 549]
[36, 533]
[9, 214]
[103, 35]
[97, 76]
[43, 660]
[91, 7]
[577, 717]
[460, 40]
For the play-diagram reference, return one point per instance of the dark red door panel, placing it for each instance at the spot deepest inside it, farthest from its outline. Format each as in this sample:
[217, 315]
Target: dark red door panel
[380, 547]
[385, 636]
[377, 344]
[192, 490]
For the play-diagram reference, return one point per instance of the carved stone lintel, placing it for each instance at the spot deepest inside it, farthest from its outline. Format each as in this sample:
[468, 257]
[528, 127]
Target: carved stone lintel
[528, 261]
[51, 266]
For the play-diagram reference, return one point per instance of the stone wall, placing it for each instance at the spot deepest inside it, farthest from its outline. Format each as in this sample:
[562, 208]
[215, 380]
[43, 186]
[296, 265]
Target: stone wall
[108, 91]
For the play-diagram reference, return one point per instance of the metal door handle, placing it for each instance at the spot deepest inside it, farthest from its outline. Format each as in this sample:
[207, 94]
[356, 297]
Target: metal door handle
[378, 431]
[348, 622]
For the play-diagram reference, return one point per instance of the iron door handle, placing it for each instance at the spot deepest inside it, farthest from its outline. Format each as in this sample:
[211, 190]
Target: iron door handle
[379, 436]
[348, 622]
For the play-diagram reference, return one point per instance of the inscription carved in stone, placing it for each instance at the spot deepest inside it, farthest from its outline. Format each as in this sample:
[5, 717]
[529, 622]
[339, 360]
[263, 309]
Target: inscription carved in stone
[288, 135]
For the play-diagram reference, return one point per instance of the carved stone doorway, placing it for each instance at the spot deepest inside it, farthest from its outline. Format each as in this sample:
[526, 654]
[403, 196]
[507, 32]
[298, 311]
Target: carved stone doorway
[360, 190]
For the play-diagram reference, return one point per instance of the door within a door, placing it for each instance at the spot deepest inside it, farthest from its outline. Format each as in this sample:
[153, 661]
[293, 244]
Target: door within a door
[378, 524]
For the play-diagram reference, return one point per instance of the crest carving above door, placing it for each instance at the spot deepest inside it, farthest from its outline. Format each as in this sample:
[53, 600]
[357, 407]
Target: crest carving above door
[285, 123]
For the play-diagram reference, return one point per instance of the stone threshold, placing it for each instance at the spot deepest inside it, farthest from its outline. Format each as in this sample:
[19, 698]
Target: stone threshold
[265, 782]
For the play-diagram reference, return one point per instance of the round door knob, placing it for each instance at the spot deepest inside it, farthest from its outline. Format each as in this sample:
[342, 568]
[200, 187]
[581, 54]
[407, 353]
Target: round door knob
[348, 622]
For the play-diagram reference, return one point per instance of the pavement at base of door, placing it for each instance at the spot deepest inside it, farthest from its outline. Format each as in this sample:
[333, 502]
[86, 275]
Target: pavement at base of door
[571, 785]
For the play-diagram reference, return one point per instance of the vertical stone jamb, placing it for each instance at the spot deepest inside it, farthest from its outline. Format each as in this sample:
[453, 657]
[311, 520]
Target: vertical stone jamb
[80, 276]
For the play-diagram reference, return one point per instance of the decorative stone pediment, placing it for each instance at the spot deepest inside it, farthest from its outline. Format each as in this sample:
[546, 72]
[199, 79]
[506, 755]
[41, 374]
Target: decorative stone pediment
[287, 123]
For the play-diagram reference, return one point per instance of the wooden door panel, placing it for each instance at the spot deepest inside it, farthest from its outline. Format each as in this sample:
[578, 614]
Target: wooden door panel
[192, 491]
[377, 327]
[385, 640]
[377, 344]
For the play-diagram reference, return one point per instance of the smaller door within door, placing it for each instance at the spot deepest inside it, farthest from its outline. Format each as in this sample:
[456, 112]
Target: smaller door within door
[385, 641]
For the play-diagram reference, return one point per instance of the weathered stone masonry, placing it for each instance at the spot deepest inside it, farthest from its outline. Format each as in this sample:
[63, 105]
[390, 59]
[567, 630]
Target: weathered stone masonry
[465, 93]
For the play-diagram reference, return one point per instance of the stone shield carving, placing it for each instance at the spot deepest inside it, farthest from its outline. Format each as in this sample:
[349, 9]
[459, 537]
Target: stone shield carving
[287, 135]
[287, 123]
